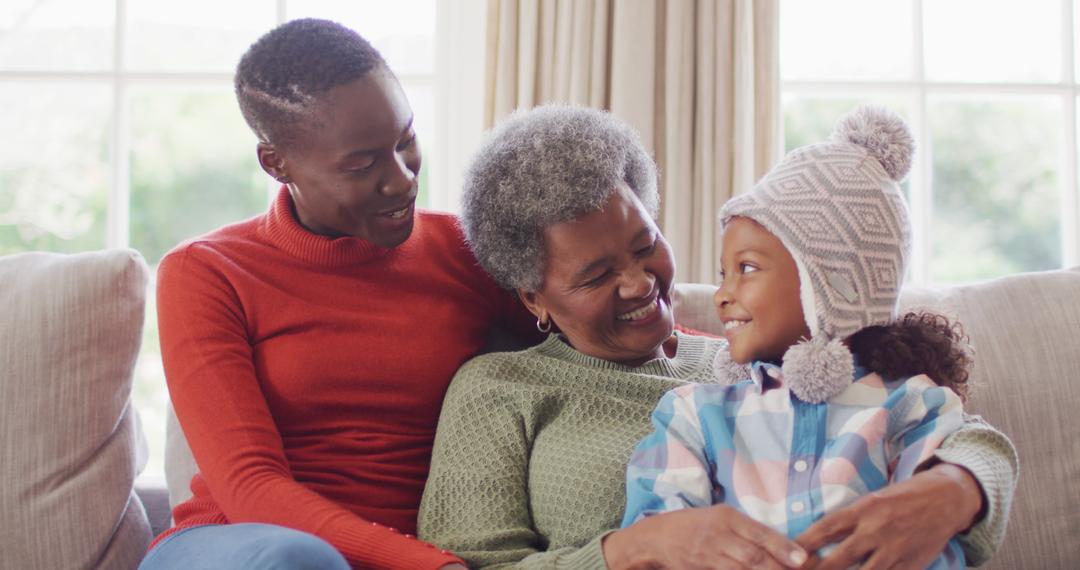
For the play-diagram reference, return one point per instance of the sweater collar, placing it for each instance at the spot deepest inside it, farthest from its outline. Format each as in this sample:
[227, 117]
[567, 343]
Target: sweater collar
[284, 231]
[685, 364]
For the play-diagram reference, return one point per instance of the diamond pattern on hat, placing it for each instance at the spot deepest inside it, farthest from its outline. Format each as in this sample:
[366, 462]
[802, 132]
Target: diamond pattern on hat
[884, 278]
[811, 222]
[837, 211]
[837, 208]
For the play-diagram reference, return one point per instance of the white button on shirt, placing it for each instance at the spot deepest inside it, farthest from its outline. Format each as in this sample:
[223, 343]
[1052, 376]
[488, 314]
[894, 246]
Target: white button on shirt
[800, 466]
[797, 507]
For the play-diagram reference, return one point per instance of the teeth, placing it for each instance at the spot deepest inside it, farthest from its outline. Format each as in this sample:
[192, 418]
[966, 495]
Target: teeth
[400, 213]
[638, 313]
[732, 324]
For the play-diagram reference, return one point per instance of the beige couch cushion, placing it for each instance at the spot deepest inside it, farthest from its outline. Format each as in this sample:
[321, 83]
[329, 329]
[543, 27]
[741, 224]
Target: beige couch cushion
[1026, 381]
[69, 337]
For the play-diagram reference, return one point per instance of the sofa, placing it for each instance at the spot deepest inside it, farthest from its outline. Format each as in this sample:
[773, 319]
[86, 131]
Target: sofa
[71, 447]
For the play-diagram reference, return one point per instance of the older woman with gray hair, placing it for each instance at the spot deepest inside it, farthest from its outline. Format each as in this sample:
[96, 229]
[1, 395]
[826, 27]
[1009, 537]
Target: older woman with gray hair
[532, 446]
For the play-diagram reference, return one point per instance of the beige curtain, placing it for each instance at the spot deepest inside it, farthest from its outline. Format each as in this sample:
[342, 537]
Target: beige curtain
[697, 78]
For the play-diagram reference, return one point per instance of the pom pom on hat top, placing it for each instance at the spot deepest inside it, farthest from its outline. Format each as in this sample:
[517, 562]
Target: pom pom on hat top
[838, 209]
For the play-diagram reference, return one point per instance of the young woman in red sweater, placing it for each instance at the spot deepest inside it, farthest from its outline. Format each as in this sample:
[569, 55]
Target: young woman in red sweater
[308, 350]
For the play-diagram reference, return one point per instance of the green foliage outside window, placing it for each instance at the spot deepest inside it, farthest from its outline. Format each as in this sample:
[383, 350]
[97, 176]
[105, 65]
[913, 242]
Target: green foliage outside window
[995, 182]
[996, 195]
[193, 168]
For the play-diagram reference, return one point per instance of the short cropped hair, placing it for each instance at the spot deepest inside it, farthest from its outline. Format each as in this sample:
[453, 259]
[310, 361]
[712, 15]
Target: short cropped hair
[282, 73]
[541, 167]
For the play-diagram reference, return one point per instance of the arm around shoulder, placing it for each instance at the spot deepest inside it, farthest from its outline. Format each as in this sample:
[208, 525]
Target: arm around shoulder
[991, 459]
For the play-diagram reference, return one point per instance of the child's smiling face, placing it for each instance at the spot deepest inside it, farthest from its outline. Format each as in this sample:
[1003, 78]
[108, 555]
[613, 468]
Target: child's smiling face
[758, 299]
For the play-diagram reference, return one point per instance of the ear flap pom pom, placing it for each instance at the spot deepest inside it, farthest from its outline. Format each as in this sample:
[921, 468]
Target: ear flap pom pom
[816, 370]
[726, 370]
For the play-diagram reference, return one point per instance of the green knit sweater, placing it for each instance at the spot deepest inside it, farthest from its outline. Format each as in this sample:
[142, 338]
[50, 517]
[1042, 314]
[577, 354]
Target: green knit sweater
[529, 464]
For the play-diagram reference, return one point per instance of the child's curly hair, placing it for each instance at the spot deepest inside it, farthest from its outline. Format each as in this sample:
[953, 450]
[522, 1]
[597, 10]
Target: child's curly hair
[917, 343]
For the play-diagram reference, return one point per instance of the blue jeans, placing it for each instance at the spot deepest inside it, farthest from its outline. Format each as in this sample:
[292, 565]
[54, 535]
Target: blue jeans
[241, 547]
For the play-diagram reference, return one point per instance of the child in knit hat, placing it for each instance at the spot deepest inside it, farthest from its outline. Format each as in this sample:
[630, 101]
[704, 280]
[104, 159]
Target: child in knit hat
[824, 394]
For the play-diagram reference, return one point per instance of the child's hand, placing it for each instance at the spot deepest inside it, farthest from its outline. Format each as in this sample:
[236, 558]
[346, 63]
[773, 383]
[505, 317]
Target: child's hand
[906, 524]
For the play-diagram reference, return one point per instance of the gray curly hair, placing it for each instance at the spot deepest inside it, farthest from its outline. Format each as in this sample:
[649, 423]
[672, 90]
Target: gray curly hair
[538, 168]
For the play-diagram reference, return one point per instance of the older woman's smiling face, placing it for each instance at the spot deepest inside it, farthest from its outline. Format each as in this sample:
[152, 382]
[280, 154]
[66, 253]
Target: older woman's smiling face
[607, 282]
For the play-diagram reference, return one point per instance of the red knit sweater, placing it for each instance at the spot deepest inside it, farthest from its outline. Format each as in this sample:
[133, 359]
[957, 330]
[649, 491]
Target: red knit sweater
[308, 374]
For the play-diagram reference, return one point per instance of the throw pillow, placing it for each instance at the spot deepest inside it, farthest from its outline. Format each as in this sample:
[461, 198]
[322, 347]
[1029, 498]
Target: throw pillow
[69, 447]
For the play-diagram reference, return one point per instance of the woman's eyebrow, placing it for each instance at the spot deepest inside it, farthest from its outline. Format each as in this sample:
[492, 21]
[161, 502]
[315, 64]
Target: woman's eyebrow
[591, 267]
[607, 259]
[357, 154]
[643, 233]
[369, 151]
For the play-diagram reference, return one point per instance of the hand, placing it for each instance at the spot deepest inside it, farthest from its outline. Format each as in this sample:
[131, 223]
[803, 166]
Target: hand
[891, 528]
[710, 537]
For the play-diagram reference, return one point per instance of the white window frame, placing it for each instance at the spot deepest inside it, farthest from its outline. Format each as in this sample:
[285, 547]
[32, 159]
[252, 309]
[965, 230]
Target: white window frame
[460, 63]
[919, 89]
[456, 81]
[457, 85]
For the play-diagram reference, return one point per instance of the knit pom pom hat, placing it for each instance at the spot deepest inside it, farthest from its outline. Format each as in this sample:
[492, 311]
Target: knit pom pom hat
[837, 208]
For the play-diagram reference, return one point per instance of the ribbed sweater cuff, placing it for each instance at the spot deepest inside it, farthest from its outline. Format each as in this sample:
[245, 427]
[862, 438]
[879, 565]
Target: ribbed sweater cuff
[379, 547]
[990, 463]
[588, 557]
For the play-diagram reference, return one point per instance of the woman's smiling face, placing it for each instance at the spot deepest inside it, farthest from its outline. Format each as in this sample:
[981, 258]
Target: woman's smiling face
[758, 299]
[354, 170]
[607, 282]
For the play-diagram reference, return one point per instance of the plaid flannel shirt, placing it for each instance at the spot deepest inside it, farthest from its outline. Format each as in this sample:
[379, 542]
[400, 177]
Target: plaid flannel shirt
[784, 462]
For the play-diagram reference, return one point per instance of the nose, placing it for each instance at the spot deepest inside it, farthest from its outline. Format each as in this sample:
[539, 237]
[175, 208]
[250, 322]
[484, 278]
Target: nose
[637, 283]
[722, 297]
[399, 178]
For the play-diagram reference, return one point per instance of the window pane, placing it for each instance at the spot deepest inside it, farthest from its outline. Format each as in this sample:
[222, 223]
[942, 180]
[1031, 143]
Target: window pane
[810, 118]
[54, 169]
[996, 200]
[193, 166]
[61, 35]
[193, 169]
[1076, 44]
[196, 35]
[402, 30]
[845, 39]
[975, 40]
